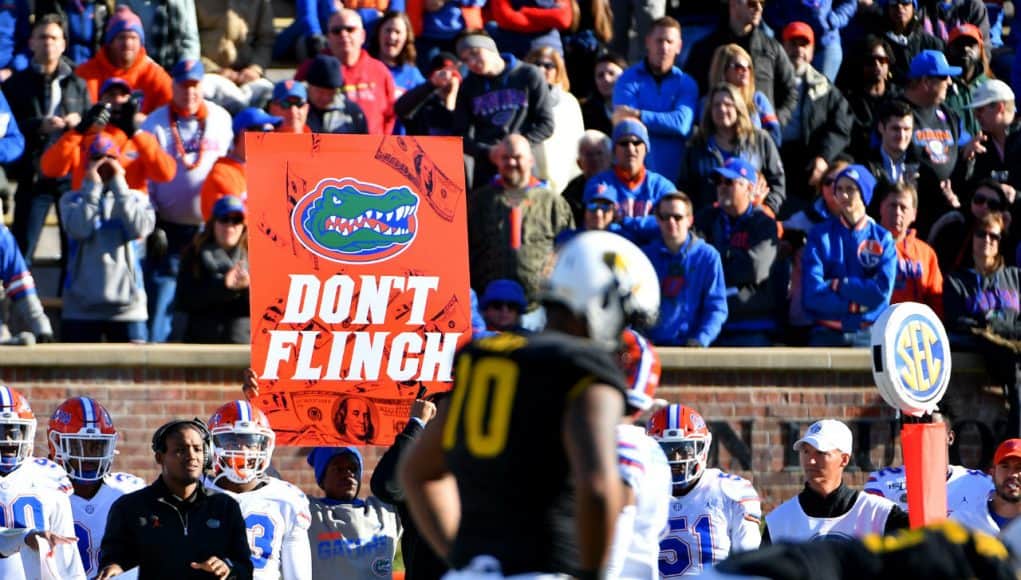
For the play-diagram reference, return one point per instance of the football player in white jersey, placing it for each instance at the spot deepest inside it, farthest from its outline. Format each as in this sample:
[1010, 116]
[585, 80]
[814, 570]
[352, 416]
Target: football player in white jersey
[643, 467]
[1003, 504]
[827, 507]
[964, 486]
[712, 513]
[83, 441]
[32, 495]
[276, 513]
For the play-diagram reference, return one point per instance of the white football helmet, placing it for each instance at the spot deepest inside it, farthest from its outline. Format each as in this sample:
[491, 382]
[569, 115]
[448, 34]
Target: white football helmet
[606, 280]
[243, 442]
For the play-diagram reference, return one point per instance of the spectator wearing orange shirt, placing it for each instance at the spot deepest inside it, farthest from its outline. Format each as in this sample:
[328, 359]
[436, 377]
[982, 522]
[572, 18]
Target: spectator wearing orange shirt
[140, 154]
[123, 56]
[918, 276]
[227, 177]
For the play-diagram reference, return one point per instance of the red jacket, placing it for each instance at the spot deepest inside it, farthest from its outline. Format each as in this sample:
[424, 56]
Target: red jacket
[529, 19]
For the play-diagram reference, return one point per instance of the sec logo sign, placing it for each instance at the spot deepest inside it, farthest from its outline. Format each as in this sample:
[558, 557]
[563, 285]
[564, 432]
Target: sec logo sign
[911, 360]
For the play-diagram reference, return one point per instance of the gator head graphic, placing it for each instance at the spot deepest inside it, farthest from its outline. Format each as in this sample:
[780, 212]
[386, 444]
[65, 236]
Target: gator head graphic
[351, 222]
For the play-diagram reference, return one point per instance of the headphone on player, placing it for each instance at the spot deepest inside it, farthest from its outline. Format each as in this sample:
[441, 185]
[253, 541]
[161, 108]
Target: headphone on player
[159, 438]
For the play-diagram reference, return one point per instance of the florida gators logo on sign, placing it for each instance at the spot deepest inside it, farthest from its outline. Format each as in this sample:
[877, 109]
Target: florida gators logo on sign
[870, 252]
[352, 222]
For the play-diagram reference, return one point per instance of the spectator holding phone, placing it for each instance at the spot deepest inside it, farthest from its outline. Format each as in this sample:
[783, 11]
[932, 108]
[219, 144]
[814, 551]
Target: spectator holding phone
[115, 117]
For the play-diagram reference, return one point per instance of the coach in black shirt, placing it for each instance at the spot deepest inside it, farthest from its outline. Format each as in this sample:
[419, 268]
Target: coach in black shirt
[175, 528]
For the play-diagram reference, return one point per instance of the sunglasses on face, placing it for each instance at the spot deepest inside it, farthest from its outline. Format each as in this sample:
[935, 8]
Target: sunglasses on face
[991, 203]
[632, 142]
[291, 103]
[233, 220]
[336, 30]
[739, 66]
[546, 64]
[879, 59]
[597, 206]
[673, 217]
[987, 235]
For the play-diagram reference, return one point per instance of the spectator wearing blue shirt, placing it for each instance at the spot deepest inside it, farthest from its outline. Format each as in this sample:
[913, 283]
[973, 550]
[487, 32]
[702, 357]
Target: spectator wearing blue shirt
[848, 267]
[12, 145]
[18, 286]
[393, 43]
[746, 238]
[14, 33]
[636, 188]
[661, 96]
[693, 299]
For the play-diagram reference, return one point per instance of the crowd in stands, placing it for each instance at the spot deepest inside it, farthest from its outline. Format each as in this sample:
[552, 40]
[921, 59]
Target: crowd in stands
[791, 168]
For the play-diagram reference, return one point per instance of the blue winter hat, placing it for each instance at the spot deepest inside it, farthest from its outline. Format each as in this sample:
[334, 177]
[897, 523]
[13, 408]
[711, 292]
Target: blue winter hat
[254, 118]
[320, 457]
[862, 178]
[632, 127]
[124, 20]
[931, 63]
[737, 168]
[504, 290]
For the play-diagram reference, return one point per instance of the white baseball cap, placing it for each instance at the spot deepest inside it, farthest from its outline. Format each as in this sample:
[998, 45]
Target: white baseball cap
[991, 91]
[827, 435]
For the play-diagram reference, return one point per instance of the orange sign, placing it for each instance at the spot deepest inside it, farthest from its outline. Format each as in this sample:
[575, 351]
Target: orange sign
[359, 264]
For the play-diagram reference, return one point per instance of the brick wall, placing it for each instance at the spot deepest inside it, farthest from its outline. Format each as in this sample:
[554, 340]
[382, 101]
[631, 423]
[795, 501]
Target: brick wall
[758, 402]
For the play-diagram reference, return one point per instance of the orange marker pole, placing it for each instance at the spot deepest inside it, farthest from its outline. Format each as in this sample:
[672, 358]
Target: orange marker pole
[925, 462]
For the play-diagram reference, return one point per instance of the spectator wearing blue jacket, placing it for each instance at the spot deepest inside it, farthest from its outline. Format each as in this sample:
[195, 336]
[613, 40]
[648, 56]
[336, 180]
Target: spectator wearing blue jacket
[693, 296]
[826, 17]
[18, 286]
[14, 33]
[661, 96]
[635, 188]
[848, 267]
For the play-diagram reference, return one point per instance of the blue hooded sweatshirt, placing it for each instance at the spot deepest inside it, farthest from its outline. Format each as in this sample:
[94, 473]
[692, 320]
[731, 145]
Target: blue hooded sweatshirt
[693, 294]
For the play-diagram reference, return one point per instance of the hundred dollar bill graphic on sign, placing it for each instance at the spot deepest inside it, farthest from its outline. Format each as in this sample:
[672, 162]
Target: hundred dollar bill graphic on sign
[359, 264]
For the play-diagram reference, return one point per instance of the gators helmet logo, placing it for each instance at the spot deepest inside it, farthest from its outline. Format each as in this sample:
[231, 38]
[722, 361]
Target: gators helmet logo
[352, 222]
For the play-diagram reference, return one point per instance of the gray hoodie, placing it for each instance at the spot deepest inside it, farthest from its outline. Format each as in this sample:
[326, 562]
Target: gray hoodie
[106, 226]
